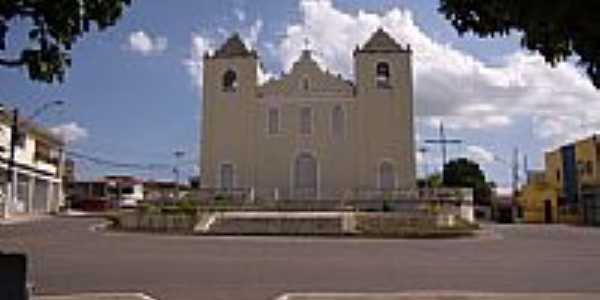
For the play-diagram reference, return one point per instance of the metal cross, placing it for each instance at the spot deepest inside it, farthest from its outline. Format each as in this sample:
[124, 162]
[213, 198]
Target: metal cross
[443, 142]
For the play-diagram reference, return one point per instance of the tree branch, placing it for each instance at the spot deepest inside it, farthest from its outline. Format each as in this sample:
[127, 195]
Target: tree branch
[11, 62]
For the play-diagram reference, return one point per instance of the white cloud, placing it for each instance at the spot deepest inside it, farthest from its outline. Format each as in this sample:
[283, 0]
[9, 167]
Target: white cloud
[479, 154]
[449, 83]
[202, 44]
[195, 63]
[251, 38]
[263, 76]
[239, 14]
[70, 132]
[140, 41]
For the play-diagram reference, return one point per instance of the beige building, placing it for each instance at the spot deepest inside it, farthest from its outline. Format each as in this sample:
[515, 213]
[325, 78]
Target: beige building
[309, 134]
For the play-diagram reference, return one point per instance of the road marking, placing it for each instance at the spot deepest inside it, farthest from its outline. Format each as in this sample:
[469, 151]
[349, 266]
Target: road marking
[97, 296]
[441, 295]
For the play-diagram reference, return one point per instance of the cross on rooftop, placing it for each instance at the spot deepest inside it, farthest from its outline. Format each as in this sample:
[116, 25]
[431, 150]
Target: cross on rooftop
[306, 43]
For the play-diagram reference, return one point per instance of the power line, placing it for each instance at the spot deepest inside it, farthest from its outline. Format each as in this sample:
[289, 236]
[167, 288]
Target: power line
[115, 164]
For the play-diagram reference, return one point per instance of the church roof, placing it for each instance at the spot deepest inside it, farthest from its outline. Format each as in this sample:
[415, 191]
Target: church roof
[305, 60]
[233, 47]
[381, 41]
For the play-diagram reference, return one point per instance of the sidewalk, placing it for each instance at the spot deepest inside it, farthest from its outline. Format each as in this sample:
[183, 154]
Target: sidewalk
[25, 218]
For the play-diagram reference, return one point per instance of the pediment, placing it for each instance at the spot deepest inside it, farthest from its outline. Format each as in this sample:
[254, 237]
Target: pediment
[307, 79]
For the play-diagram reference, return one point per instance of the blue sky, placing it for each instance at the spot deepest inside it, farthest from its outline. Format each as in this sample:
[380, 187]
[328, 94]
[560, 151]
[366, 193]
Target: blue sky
[133, 95]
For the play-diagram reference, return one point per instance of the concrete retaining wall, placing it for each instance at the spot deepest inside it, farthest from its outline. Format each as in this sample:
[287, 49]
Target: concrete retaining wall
[279, 223]
[157, 222]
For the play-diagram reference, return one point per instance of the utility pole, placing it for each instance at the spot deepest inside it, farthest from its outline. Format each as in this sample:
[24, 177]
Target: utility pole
[423, 151]
[515, 172]
[178, 155]
[525, 167]
[11, 178]
[443, 142]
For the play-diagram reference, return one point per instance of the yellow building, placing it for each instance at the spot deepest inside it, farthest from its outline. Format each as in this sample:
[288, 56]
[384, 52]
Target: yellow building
[587, 153]
[568, 189]
[587, 160]
[553, 174]
[539, 199]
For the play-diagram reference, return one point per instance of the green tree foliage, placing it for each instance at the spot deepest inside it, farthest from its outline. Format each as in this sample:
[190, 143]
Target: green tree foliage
[466, 173]
[54, 26]
[433, 181]
[556, 29]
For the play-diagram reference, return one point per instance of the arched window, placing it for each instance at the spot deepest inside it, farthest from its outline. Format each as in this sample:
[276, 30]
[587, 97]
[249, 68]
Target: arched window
[387, 176]
[227, 175]
[305, 176]
[382, 76]
[306, 120]
[337, 122]
[230, 83]
[305, 84]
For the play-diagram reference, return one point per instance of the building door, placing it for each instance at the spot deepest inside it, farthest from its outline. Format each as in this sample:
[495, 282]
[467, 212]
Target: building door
[23, 194]
[227, 177]
[305, 177]
[387, 177]
[40, 196]
[548, 212]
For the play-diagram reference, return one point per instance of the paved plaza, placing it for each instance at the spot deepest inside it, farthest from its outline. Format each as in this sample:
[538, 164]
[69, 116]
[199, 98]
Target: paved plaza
[66, 257]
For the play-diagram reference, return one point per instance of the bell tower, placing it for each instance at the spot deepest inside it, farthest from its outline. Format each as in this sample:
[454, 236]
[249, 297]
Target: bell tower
[228, 109]
[384, 92]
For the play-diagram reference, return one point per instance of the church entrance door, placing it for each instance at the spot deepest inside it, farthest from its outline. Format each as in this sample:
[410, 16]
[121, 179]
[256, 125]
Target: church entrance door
[305, 177]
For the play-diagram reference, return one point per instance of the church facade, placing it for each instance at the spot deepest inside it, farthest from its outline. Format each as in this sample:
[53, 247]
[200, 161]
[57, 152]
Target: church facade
[309, 134]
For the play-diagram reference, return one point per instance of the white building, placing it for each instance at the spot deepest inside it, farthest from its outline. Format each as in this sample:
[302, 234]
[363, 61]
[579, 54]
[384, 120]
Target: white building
[37, 164]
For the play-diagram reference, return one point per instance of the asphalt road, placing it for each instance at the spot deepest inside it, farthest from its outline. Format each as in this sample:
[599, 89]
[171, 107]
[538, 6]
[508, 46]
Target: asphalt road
[66, 257]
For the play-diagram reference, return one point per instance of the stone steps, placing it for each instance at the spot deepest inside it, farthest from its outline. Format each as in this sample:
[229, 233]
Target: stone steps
[278, 223]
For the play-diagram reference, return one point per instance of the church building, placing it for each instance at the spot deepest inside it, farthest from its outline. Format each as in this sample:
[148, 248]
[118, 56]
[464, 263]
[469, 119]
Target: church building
[309, 134]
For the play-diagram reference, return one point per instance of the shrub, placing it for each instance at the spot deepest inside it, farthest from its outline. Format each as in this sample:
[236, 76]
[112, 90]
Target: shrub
[187, 207]
[148, 208]
[115, 221]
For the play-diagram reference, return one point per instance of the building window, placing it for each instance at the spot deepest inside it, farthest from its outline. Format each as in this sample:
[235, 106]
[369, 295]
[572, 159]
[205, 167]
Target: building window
[581, 168]
[306, 120]
[557, 175]
[21, 138]
[42, 151]
[305, 83]
[387, 176]
[337, 122]
[230, 83]
[382, 76]
[589, 167]
[227, 174]
[273, 121]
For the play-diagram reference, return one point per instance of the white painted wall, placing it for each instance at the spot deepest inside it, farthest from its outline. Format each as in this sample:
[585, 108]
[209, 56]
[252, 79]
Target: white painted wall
[26, 156]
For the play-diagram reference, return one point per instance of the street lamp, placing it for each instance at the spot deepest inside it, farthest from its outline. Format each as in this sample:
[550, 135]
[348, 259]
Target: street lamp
[11, 174]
